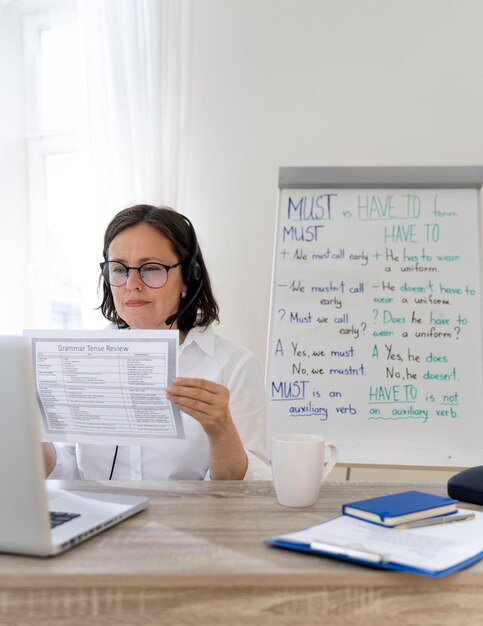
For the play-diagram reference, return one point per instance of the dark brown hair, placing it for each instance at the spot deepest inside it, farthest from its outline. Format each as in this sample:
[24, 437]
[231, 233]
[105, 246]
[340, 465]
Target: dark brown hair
[180, 233]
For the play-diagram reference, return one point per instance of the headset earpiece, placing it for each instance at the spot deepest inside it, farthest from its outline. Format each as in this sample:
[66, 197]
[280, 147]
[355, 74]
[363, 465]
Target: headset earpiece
[191, 269]
[192, 277]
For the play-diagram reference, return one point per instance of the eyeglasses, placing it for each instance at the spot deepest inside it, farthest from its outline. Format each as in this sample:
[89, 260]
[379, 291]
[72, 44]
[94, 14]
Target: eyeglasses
[154, 275]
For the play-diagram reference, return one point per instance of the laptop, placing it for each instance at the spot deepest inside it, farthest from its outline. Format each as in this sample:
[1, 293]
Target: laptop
[28, 502]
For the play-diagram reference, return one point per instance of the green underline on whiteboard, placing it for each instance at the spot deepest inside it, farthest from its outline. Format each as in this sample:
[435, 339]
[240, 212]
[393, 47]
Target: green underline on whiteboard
[400, 417]
[449, 404]
[394, 402]
[385, 219]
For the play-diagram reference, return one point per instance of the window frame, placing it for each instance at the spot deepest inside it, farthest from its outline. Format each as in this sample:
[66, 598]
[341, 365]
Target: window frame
[40, 144]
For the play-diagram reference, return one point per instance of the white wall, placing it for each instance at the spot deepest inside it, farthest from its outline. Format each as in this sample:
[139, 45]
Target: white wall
[13, 184]
[323, 83]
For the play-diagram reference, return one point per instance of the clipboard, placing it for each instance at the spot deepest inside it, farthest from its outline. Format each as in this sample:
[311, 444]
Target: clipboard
[461, 545]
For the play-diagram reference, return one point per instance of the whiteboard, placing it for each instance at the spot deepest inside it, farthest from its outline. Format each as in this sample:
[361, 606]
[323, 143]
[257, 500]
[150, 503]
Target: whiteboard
[375, 317]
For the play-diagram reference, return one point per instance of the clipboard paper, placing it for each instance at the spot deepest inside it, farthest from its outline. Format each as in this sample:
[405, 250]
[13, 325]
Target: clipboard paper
[433, 551]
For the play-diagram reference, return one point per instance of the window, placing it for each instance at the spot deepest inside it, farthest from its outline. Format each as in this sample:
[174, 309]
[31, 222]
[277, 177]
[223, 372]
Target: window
[63, 259]
[61, 93]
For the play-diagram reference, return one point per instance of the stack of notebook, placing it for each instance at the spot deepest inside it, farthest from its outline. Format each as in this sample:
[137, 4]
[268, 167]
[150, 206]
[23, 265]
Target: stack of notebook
[400, 508]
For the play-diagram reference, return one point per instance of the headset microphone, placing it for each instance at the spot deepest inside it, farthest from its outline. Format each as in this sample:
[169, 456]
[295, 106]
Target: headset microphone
[185, 306]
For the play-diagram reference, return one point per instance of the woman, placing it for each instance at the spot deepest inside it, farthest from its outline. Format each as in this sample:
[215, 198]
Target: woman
[154, 277]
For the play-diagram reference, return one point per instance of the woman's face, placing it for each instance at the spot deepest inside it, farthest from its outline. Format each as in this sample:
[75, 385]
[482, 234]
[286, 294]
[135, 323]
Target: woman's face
[136, 303]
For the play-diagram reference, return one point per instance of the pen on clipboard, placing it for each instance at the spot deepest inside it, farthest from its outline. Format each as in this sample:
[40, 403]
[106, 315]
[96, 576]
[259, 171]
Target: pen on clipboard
[434, 521]
[349, 551]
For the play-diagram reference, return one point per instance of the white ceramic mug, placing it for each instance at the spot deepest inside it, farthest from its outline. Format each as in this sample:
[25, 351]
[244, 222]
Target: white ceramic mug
[299, 467]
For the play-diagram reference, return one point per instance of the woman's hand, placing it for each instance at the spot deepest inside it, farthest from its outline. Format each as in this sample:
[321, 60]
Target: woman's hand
[204, 400]
[50, 457]
[207, 402]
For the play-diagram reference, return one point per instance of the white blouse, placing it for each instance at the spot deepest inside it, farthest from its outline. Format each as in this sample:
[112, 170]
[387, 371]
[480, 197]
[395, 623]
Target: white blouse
[202, 355]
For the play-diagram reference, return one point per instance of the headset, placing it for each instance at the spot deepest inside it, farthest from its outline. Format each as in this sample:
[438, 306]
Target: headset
[192, 276]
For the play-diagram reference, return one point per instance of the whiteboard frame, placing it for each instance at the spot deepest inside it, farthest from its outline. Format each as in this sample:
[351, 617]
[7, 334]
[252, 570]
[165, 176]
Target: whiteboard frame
[424, 177]
[386, 177]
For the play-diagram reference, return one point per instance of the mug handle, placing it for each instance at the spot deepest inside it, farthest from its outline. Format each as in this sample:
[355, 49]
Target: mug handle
[329, 465]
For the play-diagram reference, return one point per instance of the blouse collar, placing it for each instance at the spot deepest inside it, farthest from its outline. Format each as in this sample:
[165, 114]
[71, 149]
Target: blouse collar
[203, 337]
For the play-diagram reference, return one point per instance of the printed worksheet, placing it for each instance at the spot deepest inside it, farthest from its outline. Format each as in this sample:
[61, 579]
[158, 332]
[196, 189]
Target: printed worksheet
[106, 386]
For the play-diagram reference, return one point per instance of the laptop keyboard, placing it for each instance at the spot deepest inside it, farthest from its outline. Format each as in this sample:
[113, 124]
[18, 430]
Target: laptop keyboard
[57, 518]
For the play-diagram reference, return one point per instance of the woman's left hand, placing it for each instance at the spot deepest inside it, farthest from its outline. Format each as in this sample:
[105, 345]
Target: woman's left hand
[204, 400]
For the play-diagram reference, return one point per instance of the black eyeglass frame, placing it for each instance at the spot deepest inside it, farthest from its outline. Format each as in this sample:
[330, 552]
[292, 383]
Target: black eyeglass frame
[127, 268]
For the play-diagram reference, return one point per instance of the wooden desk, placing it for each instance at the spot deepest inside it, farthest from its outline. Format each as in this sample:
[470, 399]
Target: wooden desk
[197, 556]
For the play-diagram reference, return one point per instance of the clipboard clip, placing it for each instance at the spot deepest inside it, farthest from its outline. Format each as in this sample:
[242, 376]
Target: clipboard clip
[353, 552]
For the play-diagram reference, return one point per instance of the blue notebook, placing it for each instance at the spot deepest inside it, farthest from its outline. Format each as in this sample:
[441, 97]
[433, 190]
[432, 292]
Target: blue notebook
[399, 508]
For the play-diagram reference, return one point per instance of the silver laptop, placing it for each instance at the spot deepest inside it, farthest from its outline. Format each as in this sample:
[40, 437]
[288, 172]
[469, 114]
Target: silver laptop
[34, 519]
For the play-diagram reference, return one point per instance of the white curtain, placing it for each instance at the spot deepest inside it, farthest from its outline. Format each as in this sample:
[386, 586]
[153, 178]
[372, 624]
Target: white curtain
[137, 72]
